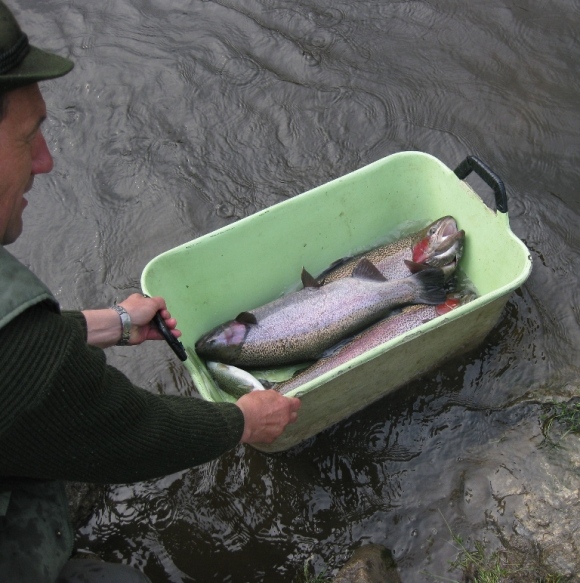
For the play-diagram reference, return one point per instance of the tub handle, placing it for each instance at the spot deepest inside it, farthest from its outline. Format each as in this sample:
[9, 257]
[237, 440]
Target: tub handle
[174, 344]
[488, 176]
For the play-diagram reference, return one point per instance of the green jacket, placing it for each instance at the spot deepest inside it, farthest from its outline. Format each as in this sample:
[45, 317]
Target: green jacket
[67, 415]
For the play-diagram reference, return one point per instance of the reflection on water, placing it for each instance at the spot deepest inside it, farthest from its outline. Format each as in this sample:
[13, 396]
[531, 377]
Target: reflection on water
[182, 117]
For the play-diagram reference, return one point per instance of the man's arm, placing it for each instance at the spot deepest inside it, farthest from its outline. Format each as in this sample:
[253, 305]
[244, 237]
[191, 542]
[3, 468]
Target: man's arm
[266, 413]
[66, 414]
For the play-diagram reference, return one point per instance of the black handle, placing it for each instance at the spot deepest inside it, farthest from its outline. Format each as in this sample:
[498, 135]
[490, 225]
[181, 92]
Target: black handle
[175, 345]
[488, 176]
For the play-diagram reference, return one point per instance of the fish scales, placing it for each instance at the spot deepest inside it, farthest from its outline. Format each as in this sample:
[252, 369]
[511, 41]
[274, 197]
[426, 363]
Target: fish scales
[408, 318]
[301, 325]
[440, 244]
[332, 316]
[389, 260]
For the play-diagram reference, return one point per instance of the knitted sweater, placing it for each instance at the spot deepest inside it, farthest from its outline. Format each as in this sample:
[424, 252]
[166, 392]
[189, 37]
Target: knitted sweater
[65, 414]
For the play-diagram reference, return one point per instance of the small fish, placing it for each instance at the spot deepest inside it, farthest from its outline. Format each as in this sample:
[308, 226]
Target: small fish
[438, 245]
[232, 380]
[408, 318]
[301, 325]
[269, 377]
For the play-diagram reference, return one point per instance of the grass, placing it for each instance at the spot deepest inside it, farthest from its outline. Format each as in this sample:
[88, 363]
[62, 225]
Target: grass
[307, 577]
[502, 566]
[567, 415]
[317, 579]
[477, 566]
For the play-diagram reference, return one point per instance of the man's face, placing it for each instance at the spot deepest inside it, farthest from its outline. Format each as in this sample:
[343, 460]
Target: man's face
[23, 153]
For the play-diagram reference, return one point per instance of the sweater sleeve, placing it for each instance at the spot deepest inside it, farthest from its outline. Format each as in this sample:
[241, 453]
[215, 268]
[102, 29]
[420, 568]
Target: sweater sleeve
[65, 414]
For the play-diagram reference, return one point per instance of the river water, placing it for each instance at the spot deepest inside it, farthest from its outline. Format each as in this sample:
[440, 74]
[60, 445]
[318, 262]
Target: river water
[181, 117]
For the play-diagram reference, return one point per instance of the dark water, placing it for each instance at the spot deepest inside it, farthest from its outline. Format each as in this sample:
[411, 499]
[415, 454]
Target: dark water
[181, 117]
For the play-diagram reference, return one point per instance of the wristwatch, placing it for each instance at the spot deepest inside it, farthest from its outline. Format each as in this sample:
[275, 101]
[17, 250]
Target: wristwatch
[125, 324]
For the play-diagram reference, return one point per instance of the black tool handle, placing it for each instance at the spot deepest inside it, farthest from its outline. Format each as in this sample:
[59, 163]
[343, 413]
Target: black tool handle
[488, 176]
[175, 345]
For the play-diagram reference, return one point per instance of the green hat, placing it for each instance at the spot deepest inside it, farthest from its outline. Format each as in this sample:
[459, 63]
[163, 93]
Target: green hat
[20, 63]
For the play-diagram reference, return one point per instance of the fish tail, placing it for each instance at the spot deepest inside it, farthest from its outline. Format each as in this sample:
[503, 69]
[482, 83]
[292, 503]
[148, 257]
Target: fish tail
[430, 286]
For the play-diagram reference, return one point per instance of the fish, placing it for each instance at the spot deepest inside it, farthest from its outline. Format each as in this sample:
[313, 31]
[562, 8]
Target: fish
[440, 244]
[301, 325]
[269, 377]
[232, 380]
[394, 325]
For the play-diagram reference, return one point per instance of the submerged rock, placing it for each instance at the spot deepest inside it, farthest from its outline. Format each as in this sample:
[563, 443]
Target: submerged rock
[369, 564]
[533, 498]
[82, 501]
[541, 505]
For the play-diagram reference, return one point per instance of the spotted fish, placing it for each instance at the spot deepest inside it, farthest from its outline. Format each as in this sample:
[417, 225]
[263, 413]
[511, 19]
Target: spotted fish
[301, 325]
[394, 325]
[438, 245]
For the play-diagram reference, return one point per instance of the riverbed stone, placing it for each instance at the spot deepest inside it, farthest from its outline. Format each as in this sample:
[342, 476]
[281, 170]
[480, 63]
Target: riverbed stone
[370, 563]
[538, 519]
[83, 498]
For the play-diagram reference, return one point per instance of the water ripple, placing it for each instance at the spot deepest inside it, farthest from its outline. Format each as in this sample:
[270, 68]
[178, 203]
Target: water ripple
[182, 118]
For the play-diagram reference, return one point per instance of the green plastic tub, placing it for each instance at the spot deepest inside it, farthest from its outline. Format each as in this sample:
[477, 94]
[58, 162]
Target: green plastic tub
[213, 278]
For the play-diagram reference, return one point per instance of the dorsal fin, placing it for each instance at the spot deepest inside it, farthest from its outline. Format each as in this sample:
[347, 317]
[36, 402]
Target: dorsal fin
[366, 270]
[246, 318]
[308, 280]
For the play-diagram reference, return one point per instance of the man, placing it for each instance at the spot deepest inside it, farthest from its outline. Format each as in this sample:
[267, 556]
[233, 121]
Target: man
[64, 413]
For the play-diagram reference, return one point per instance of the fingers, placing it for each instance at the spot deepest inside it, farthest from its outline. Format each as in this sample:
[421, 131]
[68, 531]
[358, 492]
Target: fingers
[170, 322]
[142, 310]
[295, 404]
[141, 307]
[159, 303]
[266, 415]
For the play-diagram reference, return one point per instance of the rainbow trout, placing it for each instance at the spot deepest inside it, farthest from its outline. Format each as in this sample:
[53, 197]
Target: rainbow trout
[301, 325]
[438, 245]
[408, 318]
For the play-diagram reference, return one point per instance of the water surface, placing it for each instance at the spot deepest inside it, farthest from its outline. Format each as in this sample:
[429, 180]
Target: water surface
[182, 117]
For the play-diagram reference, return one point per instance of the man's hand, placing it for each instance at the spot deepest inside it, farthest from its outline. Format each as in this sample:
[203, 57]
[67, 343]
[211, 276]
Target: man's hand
[104, 326]
[266, 414]
[142, 310]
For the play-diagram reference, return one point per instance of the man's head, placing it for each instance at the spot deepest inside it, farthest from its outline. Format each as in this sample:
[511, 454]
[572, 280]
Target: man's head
[21, 63]
[23, 151]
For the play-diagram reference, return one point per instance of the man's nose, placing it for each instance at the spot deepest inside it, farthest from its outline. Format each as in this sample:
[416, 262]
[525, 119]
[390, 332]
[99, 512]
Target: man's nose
[42, 162]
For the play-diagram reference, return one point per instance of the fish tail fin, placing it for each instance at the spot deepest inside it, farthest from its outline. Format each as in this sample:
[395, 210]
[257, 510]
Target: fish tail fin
[430, 286]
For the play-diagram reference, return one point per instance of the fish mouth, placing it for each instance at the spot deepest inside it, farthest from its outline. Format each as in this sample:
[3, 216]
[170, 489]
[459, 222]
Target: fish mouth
[441, 228]
[447, 227]
[441, 248]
